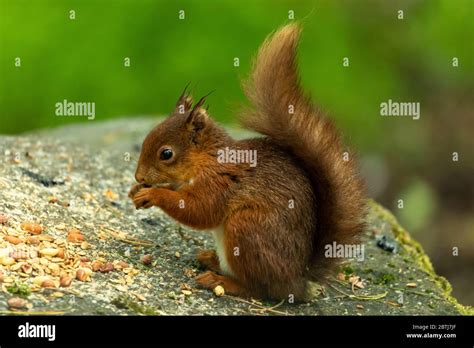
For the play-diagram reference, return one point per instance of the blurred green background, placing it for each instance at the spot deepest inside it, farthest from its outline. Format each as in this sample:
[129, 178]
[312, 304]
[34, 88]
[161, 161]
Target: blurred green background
[408, 60]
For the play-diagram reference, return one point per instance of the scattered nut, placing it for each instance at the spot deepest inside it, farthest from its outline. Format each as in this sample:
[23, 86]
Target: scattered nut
[49, 251]
[83, 274]
[97, 265]
[85, 246]
[3, 219]
[19, 254]
[40, 280]
[12, 239]
[32, 227]
[52, 199]
[7, 261]
[121, 265]
[17, 302]
[45, 237]
[32, 240]
[187, 292]
[48, 283]
[219, 291]
[54, 267]
[177, 254]
[75, 236]
[147, 259]
[108, 267]
[65, 281]
[111, 195]
[26, 268]
[60, 253]
[411, 285]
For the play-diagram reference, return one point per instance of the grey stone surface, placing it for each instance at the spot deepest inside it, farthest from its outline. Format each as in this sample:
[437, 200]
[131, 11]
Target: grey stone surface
[79, 176]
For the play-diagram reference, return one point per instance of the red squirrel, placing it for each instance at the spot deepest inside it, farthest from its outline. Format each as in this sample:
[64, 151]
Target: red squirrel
[271, 221]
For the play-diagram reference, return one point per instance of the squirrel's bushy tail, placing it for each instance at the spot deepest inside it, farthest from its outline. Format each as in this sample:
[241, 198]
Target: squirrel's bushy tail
[284, 113]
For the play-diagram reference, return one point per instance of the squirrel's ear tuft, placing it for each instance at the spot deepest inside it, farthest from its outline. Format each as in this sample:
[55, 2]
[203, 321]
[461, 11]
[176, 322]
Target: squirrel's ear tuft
[184, 103]
[198, 116]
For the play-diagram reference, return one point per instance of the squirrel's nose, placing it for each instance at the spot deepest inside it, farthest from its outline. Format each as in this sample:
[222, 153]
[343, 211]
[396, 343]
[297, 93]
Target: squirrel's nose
[139, 178]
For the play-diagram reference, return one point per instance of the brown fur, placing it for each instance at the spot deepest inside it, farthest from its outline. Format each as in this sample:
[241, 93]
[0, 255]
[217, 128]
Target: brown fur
[300, 160]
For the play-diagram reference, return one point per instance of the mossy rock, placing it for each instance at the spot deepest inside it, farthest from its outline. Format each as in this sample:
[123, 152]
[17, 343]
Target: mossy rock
[78, 176]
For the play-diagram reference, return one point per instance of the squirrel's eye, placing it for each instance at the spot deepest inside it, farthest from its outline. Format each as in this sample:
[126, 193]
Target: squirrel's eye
[166, 154]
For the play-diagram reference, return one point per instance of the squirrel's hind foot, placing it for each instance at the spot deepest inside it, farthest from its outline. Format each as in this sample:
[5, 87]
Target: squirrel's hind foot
[209, 280]
[209, 260]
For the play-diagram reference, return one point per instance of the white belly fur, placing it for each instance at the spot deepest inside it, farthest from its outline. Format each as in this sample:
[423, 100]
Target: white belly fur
[218, 234]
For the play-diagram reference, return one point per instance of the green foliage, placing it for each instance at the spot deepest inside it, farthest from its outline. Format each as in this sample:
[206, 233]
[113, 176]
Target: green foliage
[385, 279]
[20, 289]
[83, 59]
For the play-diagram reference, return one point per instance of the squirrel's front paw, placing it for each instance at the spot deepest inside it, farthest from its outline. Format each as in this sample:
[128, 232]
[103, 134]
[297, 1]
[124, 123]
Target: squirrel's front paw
[135, 188]
[145, 198]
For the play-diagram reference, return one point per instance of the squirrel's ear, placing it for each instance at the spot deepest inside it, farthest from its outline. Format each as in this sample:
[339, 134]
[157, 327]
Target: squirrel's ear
[198, 116]
[184, 103]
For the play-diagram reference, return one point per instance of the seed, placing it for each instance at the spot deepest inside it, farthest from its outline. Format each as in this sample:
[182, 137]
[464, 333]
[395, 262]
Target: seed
[177, 254]
[3, 219]
[97, 265]
[83, 274]
[16, 266]
[45, 237]
[12, 239]
[147, 259]
[122, 288]
[108, 267]
[65, 281]
[85, 264]
[26, 268]
[48, 284]
[186, 292]
[19, 254]
[85, 246]
[32, 240]
[121, 265]
[219, 291]
[17, 302]
[140, 297]
[40, 280]
[111, 195]
[32, 227]
[60, 227]
[54, 267]
[49, 251]
[7, 261]
[60, 253]
[411, 285]
[75, 237]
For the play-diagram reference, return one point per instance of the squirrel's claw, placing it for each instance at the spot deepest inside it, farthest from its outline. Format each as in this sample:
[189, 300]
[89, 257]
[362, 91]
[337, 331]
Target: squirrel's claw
[135, 188]
[145, 198]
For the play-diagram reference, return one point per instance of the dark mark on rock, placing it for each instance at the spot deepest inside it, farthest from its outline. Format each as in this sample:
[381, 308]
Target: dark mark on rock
[150, 222]
[387, 243]
[42, 179]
